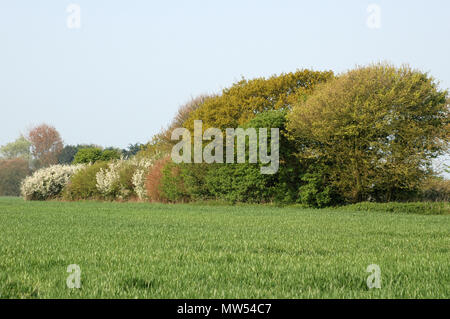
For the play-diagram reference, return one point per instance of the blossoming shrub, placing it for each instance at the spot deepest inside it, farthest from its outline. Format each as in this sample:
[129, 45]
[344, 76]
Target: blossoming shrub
[138, 179]
[124, 179]
[48, 183]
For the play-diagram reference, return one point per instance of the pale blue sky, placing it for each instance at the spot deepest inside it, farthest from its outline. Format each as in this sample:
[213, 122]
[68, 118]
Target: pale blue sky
[123, 74]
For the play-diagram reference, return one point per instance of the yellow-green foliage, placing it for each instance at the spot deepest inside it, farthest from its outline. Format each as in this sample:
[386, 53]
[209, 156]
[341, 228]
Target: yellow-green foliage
[83, 185]
[241, 102]
[377, 128]
[436, 190]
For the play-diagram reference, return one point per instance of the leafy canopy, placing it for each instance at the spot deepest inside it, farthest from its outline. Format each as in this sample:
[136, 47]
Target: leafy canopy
[242, 101]
[376, 128]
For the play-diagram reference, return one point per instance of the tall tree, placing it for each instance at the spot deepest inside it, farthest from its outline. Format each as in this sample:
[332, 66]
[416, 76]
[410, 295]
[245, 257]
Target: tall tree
[246, 98]
[376, 128]
[46, 145]
[20, 148]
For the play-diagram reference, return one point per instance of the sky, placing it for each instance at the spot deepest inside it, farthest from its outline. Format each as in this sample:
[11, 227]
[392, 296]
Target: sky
[119, 75]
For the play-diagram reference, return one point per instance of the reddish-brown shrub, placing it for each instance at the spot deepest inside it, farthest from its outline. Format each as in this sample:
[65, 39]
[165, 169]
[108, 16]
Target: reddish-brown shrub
[153, 183]
[12, 172]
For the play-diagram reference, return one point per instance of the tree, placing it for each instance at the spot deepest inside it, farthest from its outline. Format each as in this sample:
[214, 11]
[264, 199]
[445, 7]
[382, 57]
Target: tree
[12, 172]
[88, 155]
[132, 150]
[242, 101]
[20, 148]
[68, 153]
[375, 129]
[94, 154]
[161, 143]
[183, 114]
[110, 154]
[46, 145]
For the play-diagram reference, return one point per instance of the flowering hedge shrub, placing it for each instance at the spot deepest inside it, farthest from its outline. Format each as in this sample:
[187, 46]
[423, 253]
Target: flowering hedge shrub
[47, 183]
[123, 179]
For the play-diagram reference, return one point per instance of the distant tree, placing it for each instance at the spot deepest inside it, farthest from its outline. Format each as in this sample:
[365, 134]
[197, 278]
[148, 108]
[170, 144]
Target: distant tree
[110, 154]
[88, 155]
[46, 145]
[132, 150]
[20, 148]
[12, 172]
[68, 153]
[94, 154]
[375, 129]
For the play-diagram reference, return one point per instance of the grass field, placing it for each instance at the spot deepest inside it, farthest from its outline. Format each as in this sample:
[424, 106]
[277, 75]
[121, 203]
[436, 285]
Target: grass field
[138, 250]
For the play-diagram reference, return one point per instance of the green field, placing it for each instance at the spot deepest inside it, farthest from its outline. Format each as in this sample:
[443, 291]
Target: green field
[140, 250]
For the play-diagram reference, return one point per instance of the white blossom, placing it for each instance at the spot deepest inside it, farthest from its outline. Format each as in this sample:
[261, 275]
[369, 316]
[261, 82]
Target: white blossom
[48, 183]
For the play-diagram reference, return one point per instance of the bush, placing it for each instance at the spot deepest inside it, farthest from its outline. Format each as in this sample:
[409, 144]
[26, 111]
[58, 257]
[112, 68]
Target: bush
[83, 184]
[240, 183]
[12, 172]
[315, 193]
[244, 182]
[48, 183]
[153, 182]
[123, 179]
[172, 187]
[436, 190]
[194, 177]
[430, 208]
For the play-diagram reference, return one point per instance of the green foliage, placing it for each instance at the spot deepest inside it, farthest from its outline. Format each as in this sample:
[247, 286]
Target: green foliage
[244, 182]
[132, 150]
[88, 155]
[83, 185]
[436, 190]
[20, 148]
[110, 154]
[172, 184]
[377, 128]
[194, 180]
[241, 183]
[316, 192]
[68, 153]
[12, 172]
[94, 154]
